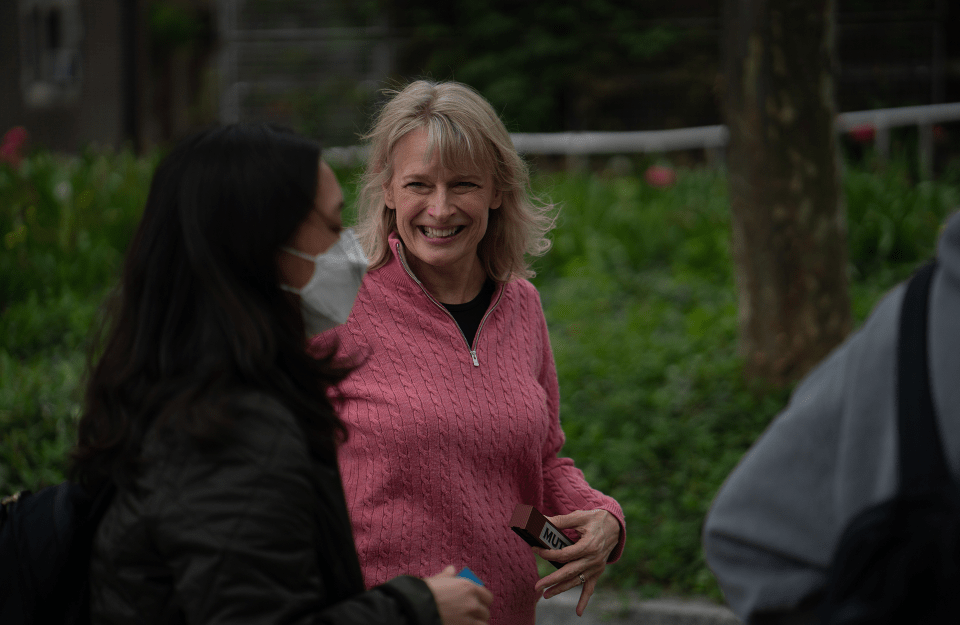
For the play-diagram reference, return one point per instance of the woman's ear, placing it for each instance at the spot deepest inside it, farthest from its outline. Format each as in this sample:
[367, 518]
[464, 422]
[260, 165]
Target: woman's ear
[497, 199]
[388, 196]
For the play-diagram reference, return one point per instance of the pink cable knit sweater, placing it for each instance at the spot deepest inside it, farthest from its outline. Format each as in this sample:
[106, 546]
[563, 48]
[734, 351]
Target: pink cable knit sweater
[441, 450]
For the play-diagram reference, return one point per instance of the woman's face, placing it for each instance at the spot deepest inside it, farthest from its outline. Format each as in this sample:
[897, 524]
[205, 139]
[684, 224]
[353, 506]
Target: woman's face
[441, 214]
[320, 230]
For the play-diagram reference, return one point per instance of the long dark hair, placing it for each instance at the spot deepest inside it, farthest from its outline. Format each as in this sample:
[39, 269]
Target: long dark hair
[198, 314]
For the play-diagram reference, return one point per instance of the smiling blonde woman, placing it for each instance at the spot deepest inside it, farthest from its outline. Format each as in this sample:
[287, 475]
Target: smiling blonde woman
[453, 412]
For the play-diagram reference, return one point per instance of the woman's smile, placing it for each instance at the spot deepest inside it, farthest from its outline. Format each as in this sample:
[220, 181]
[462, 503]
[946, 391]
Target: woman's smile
[440, 233]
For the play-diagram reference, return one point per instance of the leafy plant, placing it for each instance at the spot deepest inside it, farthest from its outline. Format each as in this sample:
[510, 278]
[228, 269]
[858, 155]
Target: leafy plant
[568, 49]
[65, 223]
[892, 220]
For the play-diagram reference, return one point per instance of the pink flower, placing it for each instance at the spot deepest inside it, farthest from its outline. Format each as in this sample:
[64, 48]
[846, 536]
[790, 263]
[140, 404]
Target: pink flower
[11, 145]
[863, 133]
[660, 176]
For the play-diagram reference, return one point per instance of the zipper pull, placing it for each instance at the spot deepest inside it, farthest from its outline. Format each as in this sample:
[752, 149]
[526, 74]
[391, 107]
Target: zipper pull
[473, 353]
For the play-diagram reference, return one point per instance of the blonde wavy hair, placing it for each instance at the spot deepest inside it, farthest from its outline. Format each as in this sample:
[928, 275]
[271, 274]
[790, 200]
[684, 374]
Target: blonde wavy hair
[466, 130]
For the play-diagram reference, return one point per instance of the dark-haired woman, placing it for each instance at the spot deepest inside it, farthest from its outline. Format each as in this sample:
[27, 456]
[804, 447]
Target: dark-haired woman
[209, 416]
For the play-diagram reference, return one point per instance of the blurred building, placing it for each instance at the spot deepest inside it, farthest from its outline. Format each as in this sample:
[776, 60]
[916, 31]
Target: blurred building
[145, 72]
[315, 65]
[109, 72]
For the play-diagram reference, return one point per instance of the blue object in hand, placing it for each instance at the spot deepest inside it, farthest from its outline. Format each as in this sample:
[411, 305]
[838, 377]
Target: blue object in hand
[468, 574]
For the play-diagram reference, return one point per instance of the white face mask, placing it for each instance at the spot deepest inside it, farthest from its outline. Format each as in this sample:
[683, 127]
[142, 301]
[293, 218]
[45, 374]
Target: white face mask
[327, 298]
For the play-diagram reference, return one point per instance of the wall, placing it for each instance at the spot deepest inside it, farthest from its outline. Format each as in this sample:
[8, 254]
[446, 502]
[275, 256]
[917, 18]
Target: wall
[92, 112]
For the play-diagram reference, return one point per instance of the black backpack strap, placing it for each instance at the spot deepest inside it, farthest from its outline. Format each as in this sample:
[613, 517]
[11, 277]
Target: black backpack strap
[923, 466]
[72, 587]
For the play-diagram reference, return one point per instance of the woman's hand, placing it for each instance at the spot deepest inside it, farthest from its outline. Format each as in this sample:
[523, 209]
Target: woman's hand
[459, 600]
[599, 532]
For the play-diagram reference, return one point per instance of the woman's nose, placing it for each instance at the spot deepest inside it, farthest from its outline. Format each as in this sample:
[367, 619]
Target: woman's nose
[441, 206]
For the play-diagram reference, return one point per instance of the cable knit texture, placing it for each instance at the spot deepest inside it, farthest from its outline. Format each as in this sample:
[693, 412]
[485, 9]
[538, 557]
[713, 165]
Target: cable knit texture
[440, 450]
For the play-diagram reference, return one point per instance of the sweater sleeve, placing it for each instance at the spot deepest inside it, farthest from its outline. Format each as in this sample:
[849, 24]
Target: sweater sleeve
[831, 453]
[764, 536]
[236, 529]
[565, 489]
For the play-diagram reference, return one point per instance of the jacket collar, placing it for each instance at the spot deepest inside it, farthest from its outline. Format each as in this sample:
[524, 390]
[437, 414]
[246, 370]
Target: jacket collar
[395, 270]
[398, 271]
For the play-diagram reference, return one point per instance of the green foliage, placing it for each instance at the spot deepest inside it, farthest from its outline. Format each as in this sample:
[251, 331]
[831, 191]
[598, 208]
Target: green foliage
[638, 291]
[892, 224]
[39, 405]
[531, 59]
[65, 223]
[603, 227]
[271, 14]
[173, 25]
[892, 221]
[639, 298]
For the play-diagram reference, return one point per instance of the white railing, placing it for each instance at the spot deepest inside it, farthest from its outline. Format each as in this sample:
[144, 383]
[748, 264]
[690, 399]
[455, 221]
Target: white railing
[582, 143]
[711, 137]
[882, 120]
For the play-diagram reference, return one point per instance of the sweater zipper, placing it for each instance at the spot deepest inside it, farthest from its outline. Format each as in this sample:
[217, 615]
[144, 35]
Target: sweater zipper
[476, 337]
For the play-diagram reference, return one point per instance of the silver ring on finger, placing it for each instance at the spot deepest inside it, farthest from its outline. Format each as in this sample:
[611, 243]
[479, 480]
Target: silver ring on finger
[582, 579]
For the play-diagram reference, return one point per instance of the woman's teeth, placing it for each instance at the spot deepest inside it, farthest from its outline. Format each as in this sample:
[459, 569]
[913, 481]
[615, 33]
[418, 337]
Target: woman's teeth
[438, 233]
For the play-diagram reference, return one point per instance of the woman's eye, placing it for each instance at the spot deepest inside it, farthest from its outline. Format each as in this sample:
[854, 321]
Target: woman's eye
[467, 184]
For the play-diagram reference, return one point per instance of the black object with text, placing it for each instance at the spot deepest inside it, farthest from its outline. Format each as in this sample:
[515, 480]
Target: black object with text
[534, 528]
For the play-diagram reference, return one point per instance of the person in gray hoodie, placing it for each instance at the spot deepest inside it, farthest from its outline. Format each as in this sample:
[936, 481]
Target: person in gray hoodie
[831, 453]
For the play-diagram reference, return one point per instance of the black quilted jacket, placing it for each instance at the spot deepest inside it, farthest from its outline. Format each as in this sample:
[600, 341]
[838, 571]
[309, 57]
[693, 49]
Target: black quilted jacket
[252, 532]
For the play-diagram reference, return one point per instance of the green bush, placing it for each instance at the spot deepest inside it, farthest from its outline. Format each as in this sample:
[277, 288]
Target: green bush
[65, 223]
[640, 298]
[39, 405]
[638, 291]
[891, 220]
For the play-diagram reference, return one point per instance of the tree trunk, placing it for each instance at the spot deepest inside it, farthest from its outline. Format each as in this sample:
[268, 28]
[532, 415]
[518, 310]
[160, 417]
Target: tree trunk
[789, 224]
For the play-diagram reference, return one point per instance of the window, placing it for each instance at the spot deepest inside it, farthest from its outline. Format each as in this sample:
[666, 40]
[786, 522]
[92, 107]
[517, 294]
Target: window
[50, 63]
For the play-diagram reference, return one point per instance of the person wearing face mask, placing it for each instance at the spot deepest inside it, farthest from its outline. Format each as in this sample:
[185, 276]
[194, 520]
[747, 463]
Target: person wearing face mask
[453, 412]
[206, 412]
[327, 297]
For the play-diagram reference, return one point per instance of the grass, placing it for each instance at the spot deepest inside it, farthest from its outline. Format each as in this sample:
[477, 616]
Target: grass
[638, 291]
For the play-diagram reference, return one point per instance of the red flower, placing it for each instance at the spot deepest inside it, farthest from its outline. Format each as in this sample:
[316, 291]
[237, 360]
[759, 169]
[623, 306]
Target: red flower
[863, 133]
[660, 176]
[11, 145]
[939, 133]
